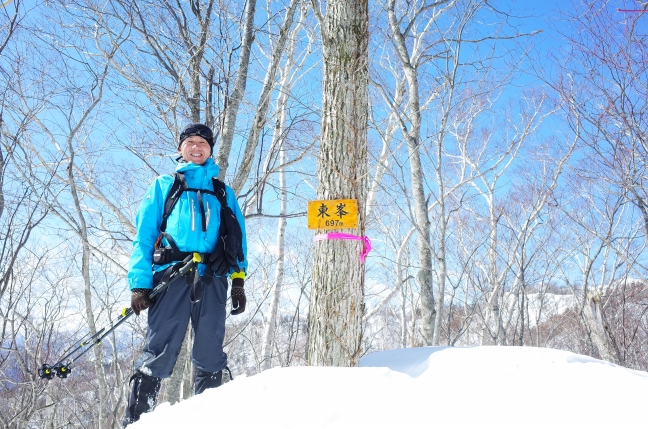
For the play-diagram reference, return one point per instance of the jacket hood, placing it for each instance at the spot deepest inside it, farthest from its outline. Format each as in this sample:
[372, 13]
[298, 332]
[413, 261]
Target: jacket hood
[212, 169]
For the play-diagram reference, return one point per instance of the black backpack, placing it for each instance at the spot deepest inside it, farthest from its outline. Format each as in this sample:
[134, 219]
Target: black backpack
[229, 248]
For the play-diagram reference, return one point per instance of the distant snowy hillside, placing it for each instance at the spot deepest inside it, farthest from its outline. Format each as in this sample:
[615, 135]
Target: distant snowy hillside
[542, 306]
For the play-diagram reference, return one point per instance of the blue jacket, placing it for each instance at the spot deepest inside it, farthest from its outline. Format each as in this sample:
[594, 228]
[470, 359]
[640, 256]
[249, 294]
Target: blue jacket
[183, 224]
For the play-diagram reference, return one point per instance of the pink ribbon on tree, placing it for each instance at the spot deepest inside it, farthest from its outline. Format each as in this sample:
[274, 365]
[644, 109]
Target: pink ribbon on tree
[342, 236]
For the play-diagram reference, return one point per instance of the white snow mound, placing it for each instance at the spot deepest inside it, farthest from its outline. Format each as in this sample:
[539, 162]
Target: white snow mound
[428, 387]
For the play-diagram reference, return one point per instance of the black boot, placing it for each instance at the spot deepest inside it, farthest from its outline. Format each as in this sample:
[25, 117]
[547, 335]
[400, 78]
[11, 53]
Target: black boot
[143, 396]
[207, 380]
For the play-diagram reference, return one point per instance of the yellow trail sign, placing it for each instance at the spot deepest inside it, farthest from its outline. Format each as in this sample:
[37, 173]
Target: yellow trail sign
[332, 214]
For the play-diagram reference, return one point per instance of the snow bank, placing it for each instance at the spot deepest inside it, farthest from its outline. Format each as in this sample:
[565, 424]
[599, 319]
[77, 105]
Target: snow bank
[440, 387]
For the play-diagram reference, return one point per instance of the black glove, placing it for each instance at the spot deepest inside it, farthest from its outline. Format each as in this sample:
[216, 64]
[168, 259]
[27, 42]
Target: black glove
[140, 300]
[238, 296]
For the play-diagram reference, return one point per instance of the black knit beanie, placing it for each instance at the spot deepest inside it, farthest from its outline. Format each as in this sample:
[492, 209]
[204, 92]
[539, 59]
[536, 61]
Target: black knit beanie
[199, 130]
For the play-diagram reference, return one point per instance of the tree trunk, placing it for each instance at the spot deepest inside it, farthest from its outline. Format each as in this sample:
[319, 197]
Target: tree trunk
[1, 178]
[85, 271]
[336, 304]
[424, 274]
[227, 134]
[173, 391]
[382, 164]
[403, 309]
[268, 334]
[259, 120]
[599, 329]
[189, 374]
[493, 320]
[278, 136]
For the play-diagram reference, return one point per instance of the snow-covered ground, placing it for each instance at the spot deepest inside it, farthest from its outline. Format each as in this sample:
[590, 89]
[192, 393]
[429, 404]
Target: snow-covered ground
[429, 387]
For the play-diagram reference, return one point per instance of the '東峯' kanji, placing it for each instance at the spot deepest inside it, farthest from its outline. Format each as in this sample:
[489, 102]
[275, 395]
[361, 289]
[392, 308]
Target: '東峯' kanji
[322, 211]
[340, 210]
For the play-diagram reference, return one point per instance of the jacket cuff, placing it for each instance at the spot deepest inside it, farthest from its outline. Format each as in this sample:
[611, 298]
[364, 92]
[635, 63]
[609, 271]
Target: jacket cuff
[139, 286]
[237, 275]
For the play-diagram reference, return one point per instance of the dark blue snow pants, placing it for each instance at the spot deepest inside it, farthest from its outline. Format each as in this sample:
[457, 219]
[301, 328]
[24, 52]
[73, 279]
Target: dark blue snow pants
[167, 325]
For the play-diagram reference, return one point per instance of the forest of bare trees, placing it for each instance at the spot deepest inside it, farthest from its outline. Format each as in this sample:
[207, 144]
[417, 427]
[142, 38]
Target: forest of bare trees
[499, 163]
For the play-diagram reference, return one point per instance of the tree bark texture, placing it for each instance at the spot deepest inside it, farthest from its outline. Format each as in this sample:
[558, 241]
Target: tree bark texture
[1, 178]
[601, 333]
[336, 304]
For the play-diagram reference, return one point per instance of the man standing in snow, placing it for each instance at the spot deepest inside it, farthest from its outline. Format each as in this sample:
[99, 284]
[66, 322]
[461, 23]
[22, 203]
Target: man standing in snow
[164, 239]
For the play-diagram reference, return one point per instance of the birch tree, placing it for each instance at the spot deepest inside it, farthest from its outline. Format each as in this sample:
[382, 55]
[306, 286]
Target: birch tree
[525, 215]
[504, 151]
[401, 28]
[58, 163]
[460, 59]
[336, 302]
[26, 325]
[264, 100]
[591, 258]
[10, 21]
[233, 102]
[161, 64]
[278, 136]
[602, 78]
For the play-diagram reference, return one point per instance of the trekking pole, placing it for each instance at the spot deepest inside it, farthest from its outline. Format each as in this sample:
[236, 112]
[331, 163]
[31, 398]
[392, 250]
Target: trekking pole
[61, 369]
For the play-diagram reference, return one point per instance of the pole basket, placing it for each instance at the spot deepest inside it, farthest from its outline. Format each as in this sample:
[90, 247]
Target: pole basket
[62, 371]
[46, 372]
[59, 370]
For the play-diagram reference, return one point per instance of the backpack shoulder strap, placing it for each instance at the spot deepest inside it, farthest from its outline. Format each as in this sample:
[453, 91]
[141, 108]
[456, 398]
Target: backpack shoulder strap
[178, 187]
[220, 191]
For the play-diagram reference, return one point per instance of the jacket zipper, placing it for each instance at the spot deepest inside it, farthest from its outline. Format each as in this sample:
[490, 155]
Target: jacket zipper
[193, 215]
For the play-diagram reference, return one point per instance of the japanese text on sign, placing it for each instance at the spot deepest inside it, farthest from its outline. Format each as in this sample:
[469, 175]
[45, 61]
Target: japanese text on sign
[332, 214]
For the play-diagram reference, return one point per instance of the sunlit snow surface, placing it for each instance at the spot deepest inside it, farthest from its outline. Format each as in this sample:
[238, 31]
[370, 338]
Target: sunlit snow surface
[430, 387]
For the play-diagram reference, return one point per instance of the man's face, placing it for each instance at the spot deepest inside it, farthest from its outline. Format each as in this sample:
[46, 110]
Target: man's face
[195, 149]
